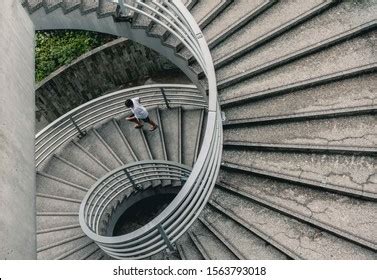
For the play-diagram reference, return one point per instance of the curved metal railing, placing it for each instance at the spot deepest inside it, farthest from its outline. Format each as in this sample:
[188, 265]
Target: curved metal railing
[186, 206]
[116, 186]
[97, 111]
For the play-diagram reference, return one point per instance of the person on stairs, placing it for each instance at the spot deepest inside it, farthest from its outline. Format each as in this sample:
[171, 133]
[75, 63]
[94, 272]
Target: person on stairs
[139, 114]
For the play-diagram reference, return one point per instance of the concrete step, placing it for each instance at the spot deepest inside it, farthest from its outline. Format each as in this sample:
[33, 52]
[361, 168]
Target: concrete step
[356, 52]
[136, 139]
[241, 241]
[351, 92]
[306, 84]
[318, 208]
[215, 36]
[192, 121]
[70, 5]
[332, 172]
[349, 132]
[53, 203]
[204, 11]
[141, 21]
[51, 5]
[280, 17]
[187, 248]
[236, 11]
[88, 6]
[211, 246]
[155, 139]
[80, 157]
[114, 138]
[53, 186]
[83, 253]
[45, 239]
[54, 251]
[96, 145]
[328, 27]
[259, 63]
[95, 255]
[63, 169]
[296, 239]
[48, 223]
[80, 252]
[171, 122]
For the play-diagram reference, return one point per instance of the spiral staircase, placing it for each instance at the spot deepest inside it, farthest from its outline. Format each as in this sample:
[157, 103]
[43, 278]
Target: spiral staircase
[298, 177]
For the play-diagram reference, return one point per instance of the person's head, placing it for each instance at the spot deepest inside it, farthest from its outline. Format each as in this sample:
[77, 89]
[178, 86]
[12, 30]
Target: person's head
[129, 103]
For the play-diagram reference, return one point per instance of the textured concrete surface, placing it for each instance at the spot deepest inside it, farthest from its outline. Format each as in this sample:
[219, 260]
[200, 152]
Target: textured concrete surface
[277, 15]
[235, 11]
[17, 183]
[352, 92]
[93, 145]
[352, 131]
[341, 18]
[354, 53]
[303, 240]
[113, 138]
[213, 246]
[250, 245]
[347, 214]
[349, 172]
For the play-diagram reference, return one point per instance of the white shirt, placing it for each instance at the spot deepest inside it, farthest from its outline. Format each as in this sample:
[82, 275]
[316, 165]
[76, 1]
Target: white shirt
[139, 110]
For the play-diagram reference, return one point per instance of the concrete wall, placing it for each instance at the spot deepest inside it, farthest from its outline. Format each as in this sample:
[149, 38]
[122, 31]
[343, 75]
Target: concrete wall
[17, 176]
[118, 64]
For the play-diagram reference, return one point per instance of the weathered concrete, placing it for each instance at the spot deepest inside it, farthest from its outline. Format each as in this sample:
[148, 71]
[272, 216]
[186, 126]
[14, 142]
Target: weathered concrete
[17, 176]
[118, 64]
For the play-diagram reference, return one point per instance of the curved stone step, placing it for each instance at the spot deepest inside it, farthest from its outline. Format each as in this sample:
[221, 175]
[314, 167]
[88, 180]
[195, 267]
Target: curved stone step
[84, 253]
[210, 246]
[328, 27]
[61, 168]
[352, 133]
[47, 223]
[53, 203]
[356, 52]
[188, 249]
[299, 85]
[45, 239]
[255, 65]
[136, 139]
[51, 185]
[80, 157]
[347, 174]
[244, 243]
[347, 217]
[96, 145]
[173, 136]
[234, 18]
[352, 92]
[56, 250]
[192, 121]
[279, 18]
[296, 239]
[115, 139]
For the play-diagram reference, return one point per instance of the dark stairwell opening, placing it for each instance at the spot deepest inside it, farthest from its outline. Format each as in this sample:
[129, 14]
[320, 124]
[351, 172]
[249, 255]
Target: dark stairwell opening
[142, 212]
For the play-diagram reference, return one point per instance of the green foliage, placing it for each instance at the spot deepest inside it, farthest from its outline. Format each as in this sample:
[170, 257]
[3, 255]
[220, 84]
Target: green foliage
[57, 48]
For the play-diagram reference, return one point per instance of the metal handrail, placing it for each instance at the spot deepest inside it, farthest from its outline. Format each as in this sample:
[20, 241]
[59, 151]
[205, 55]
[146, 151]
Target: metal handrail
[115, 184]
[96, 111]
[186, 206]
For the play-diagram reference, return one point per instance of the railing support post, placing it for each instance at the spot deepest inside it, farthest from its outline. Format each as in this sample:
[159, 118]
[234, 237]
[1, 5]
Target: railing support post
[134, 185]
[82, 133]
[171, 246]
[165, 98]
